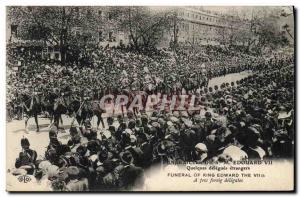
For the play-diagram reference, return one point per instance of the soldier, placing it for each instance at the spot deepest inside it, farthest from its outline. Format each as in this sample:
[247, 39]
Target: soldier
[131, 176]
[27, 157]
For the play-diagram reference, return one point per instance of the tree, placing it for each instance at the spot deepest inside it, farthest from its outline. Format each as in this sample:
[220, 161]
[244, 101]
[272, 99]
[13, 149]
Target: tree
[144, 26]
[54, 25]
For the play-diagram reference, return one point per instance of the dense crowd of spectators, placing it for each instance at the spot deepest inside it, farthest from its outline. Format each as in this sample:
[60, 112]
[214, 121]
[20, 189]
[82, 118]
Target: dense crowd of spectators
[250, 119]
[111, 70]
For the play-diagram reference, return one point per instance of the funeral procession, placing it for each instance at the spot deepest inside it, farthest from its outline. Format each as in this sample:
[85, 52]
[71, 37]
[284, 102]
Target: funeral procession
[98, 96]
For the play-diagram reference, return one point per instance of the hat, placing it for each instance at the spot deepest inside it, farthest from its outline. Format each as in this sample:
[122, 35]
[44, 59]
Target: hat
[133, 139]
[165, 147]
[81, 149]
[103, 155]
[93, 145]
[161, 149]
[73, 171]
[176, 114]
[19, 171]
[283, 115]
[153, 118]
[25, 142]
[235, 153]
[200, 147]
[208, 114]
[110, 120]
[126, 157]
[128, 131]
[187, 122]
[174, 119]
[169, 123]
[131, 124]
[197, 118]
[155, 124]
[52, 171]
[52, 133]
[224, 158]
[44, 165]
[143, 136]
[254, 130]
[53, 128]
[144, 118]
[154, 114]
[161, 121]
[184, 114]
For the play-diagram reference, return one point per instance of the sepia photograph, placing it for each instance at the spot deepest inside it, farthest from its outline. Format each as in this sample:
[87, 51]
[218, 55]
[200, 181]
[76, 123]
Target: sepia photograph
[150, 98]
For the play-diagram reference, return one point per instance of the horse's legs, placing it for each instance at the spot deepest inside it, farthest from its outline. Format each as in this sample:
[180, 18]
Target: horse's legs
[61, 120]
[36, 122]
[136, 111]
[56, 120]
[26, 121]
[122, 109]
[100, 119]
[78, 119]
[51, 118]
[102, 122]
[19, 113]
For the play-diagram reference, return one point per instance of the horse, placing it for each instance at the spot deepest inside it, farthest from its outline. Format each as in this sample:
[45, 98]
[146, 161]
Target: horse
[98, 111]
[59, 108]
[32, 107]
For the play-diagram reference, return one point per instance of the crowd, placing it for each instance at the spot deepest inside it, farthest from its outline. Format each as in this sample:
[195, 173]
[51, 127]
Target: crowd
[250, 119]
[113, 70]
